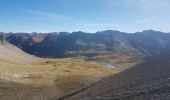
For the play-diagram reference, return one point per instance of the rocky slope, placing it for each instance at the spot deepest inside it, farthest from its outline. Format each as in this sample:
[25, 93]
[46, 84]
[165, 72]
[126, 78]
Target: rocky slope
[65, 44]
[149, 80]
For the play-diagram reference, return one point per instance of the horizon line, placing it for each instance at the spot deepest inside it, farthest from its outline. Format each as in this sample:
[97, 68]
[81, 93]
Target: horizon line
[82, 31]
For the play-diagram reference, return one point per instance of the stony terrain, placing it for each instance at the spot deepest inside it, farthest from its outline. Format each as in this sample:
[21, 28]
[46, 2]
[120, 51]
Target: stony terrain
[149, 80]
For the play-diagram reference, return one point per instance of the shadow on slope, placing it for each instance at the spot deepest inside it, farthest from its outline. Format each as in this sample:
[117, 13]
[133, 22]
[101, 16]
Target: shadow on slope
[149, 80]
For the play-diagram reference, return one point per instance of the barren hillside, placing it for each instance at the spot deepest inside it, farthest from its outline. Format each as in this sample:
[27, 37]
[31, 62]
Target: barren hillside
[12, 54]
[26, 77]
[149, 80]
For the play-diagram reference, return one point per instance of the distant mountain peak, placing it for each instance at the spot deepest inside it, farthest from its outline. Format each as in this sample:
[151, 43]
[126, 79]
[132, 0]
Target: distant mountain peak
[150, 31]
[109, 32]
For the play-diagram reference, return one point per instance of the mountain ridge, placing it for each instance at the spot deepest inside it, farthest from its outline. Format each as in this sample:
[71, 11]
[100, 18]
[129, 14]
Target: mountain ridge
[145, 43]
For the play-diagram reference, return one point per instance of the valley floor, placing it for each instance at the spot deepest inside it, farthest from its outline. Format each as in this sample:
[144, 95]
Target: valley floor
[26, 77]
[48, 78]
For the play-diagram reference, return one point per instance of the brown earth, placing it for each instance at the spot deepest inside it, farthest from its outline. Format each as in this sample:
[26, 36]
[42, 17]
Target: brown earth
[26, 77]
[149, 80]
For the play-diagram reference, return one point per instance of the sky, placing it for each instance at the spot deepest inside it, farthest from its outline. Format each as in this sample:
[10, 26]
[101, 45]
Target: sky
[84, 15]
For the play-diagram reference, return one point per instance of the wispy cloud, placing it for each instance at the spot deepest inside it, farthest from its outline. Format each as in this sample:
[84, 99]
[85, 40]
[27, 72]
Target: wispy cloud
[93, 27]
[98, 24]
[143, 4]
[151, 22]
[48, 15]
[153, 4]
[146, 20]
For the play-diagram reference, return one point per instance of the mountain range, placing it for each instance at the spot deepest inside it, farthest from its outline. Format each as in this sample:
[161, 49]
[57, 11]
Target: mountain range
[64, 44]
[27, 77]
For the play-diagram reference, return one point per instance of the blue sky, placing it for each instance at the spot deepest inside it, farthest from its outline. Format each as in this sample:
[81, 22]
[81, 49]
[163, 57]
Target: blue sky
[84, 15]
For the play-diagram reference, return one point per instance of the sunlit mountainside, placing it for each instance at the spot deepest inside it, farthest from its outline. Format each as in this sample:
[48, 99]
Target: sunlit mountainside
[63, 44]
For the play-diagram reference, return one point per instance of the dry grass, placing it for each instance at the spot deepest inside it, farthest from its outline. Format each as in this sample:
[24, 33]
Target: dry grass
[24, 76]
[120, 61]
[60, 76]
